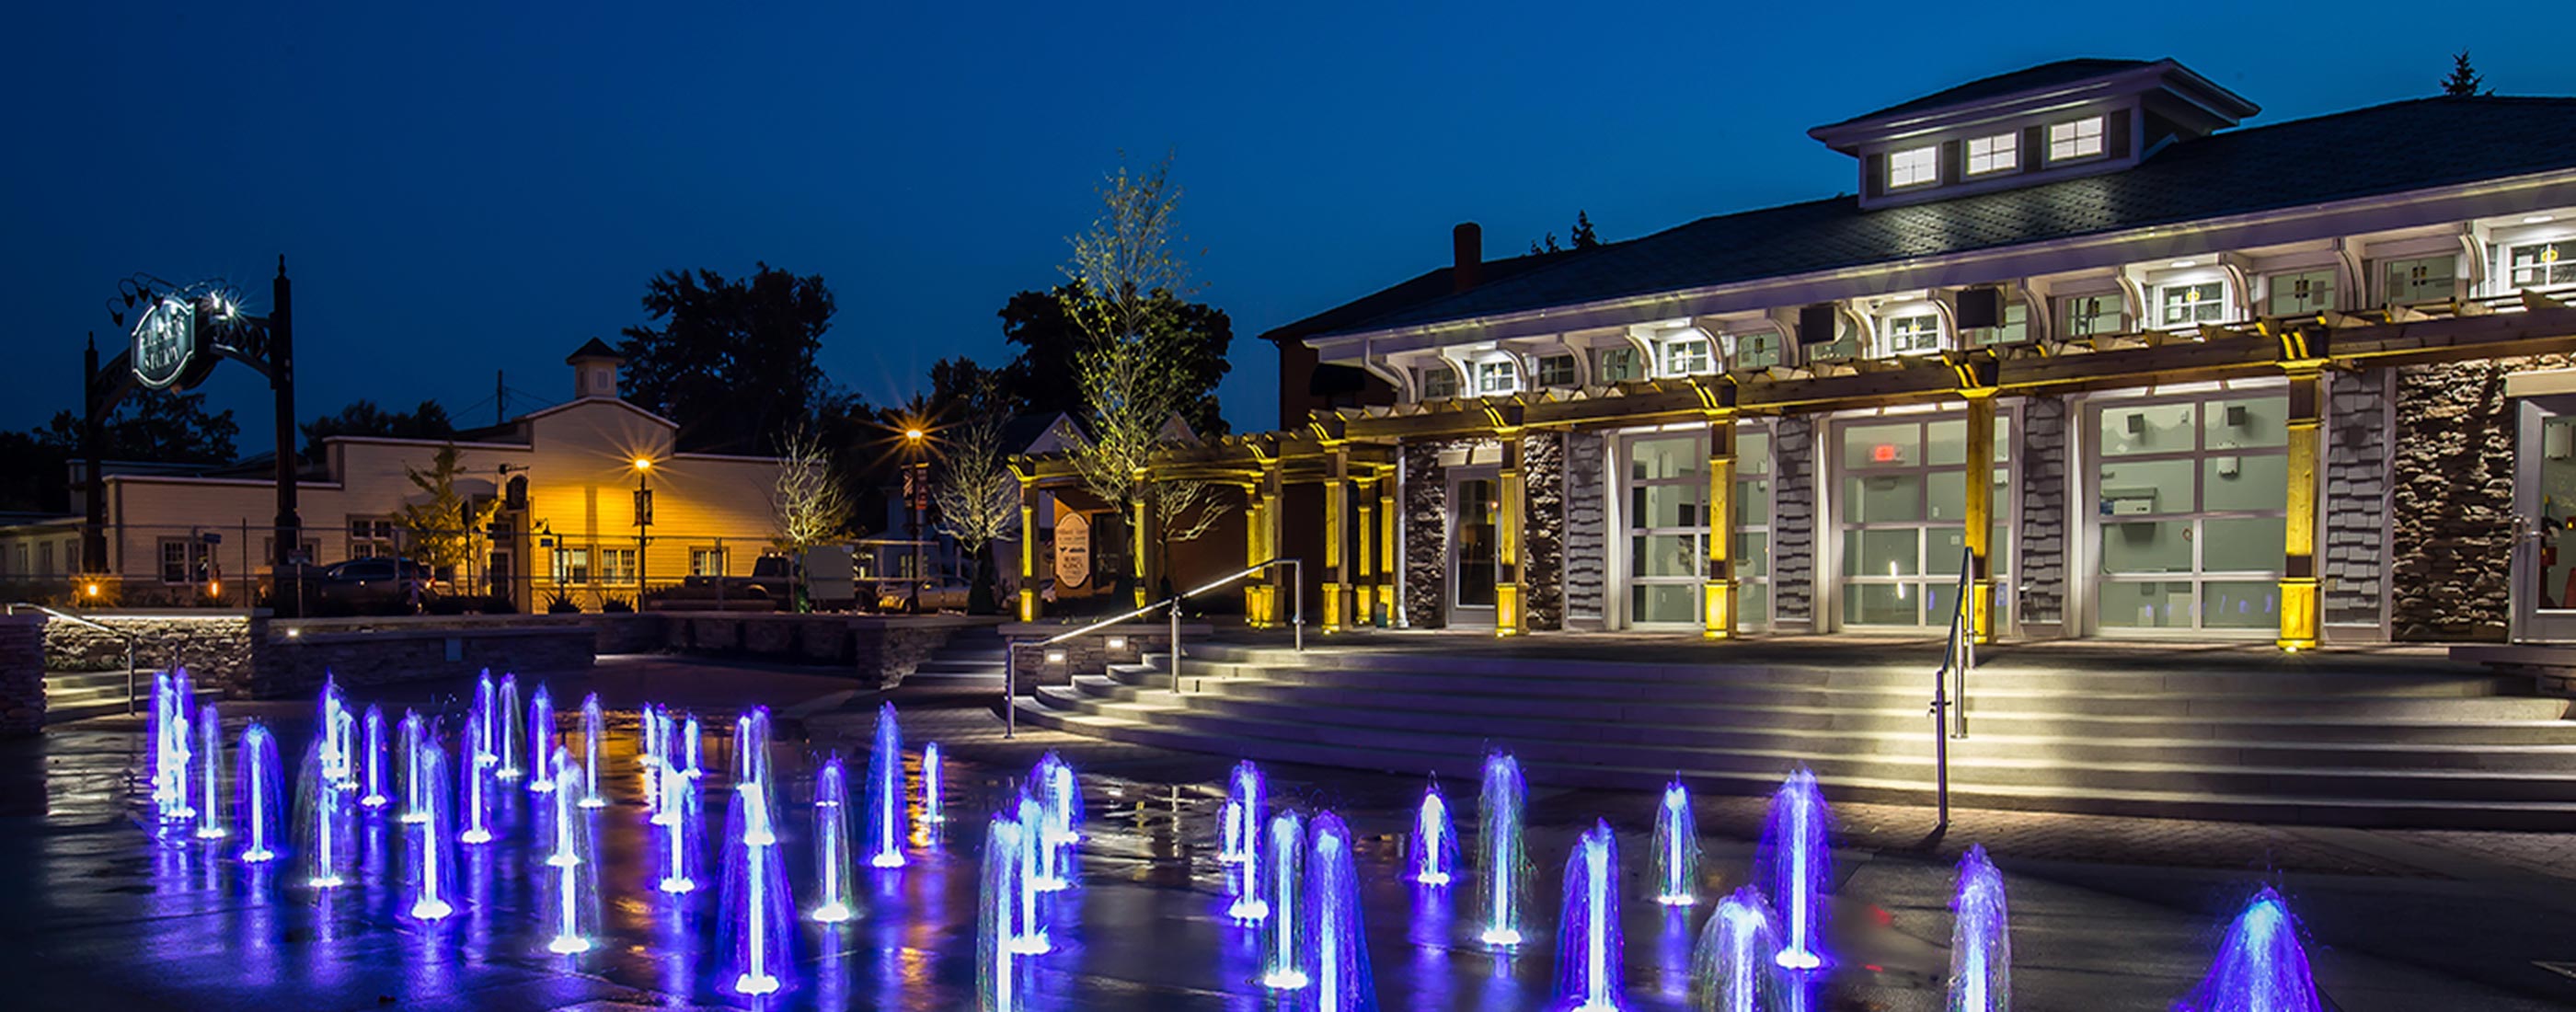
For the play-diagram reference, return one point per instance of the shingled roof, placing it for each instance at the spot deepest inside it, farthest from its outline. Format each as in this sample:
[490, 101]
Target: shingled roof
[2380, 150]
[2026, 79]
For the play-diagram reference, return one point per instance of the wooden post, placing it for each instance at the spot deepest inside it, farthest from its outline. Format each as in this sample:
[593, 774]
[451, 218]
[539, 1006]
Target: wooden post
[1337, 556]
[1980, 489]
[2300, 616]
[1388, 519]
[1513, 494]
[1028, 548]
[1717, 591]
[1364, 602]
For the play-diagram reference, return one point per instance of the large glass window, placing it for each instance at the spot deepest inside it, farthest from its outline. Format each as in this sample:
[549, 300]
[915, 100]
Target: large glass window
[2191, 512]
[1475, 510]
[2542, 264]
[1902, 514]
[1667, 521]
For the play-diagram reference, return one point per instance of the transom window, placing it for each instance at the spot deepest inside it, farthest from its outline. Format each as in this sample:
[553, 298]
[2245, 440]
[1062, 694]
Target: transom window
[2093, 315]
[2542, 264]
[1760, 349]
[1439, 381]
[2189, 304]
[2422, 279]
[1617, 365]
[2014, 328]
[1686, 356]
[1497, 376]
[1913, 334]
[2075, 139]
[1913, 167]
[1556, 370]
[1989, 155]
[2300, 293]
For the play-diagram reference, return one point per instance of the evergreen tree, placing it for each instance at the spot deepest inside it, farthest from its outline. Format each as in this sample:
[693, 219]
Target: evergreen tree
[2464, 81]
[1583, 235]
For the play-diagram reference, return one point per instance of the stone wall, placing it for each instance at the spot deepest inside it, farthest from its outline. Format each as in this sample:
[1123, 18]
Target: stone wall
[22, 675]
[1543, 531]
[215, 646]
[2039, 546]
[1426, 535]
[1090, 653]
[1793, 524]
[292, 666]
[1587, 534]
[2353, 557]
[2452, 518]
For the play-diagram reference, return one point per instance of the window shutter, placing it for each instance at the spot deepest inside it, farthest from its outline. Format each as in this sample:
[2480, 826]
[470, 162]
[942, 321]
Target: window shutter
[2034, 148]
[1816, 324]
[1873, 176]
[2115, 134]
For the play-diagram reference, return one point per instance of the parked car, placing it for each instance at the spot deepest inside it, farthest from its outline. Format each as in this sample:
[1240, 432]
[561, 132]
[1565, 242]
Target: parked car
[773, 579]
[376, 584]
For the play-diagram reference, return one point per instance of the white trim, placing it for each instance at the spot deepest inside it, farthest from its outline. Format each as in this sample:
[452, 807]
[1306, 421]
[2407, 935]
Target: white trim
[581, 401]
[182, 479]
[462, 444]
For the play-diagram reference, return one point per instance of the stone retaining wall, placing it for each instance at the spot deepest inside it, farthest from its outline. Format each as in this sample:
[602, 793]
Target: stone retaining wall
[22, 675]
[292, 666]
[216, 647]
[1088, 654]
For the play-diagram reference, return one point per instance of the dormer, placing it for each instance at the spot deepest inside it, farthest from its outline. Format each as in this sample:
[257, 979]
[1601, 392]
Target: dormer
[594, 369]
[2039, 125]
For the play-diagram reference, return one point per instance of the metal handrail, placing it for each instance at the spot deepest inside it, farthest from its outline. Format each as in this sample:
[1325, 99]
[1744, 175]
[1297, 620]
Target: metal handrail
[1171, 606]
[100, 626]
[1950, 684]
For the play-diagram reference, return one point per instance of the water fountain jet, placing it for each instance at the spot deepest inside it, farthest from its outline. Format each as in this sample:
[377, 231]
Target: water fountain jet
[1503, 864]
[885, 816]
[1435, 840]
[2261, 967]
[1794, 862]
[257, 795]
[1676, 848]
[1283, 934]
[832, 844]
[1589, 976]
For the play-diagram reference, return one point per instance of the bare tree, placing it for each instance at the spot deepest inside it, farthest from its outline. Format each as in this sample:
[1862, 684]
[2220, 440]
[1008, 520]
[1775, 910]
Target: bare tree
[806, 505]
[979, 500]
[1127, 281]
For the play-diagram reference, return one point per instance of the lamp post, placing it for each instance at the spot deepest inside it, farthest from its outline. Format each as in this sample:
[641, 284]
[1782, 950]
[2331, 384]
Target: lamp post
[917, 491]
[643, 521]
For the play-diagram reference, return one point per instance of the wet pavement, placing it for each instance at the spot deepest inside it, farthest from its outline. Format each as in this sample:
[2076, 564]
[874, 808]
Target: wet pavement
[100, 913]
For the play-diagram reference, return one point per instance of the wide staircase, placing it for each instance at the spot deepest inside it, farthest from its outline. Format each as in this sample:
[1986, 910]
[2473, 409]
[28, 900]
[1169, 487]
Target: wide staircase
[75, 695]
[972, 657]
[2356, 741]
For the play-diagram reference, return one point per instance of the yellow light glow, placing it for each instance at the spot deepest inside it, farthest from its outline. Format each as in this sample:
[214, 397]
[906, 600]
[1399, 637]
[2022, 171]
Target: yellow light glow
[643, 463]
[90, 590]
[214, 588]
[913, 434]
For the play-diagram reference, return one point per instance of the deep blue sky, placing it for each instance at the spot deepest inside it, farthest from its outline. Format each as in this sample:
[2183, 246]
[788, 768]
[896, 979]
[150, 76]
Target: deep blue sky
[462, 188]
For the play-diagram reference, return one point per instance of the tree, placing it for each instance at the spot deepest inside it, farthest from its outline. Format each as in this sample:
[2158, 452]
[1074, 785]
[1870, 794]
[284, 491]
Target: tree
[2464, 81]
[1192, 337]
[153, 426]
[978, 496]
[33, 475]
[445, 532]
[363, 418]
[1129, 284]
[961, 386]
[1583, 237]
[732, 360]
[808, 504]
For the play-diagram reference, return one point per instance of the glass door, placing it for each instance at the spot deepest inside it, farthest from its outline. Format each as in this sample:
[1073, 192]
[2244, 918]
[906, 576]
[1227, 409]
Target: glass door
[1667, 528]
[1903, 509]
[1474, 518]
[2190, 513]
[2544, 556]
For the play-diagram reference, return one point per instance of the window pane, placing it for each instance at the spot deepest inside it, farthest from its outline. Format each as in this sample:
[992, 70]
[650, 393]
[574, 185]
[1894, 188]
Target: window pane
[2227, 604]
[2165, 605]
[2300, 293]
[2232, 483]
[1913, 167]
[1880, 553]
[2258, 421]
[2543, 264]
[2157, 428]
[1880, 604]
[1883, 498]
[1617, 365]
[1752, 452]
[1676, 505]
[1948, 546]
[2146, 487]
[1663, 457]
[2147, 546]
[1945, 496]
[1753, 605]
[1753, 502]
[1882, 445]
[2243, 544]
[2427, 279]
[1757, 350]
[1753, 554]
[2088, 315]
[1665, 555]
[1676, 603]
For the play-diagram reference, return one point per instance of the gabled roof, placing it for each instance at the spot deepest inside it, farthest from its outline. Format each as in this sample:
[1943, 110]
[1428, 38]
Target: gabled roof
[1433, 284]
[2045, 75]
[2381, 150]
[594, 348]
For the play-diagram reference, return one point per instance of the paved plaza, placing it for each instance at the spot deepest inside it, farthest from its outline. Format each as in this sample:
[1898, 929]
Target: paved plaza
[2107, 913]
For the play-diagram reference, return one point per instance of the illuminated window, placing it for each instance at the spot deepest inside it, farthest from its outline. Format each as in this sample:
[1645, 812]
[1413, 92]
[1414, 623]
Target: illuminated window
[1758, 349]
[2539, 265]
[2014, 329]
[572, 565]
[2425, 279]
[1685, 356]
[617, 565]
[1913, 167]
[2075, 139]
[2092, 315]
[2299, 293]
[1617, 365]
[1496, 376]
[1556, 370]
[2191, 304]
[1439, 381]
[1999, 153]
[706, 561]
[183, 560]
[1913, 334]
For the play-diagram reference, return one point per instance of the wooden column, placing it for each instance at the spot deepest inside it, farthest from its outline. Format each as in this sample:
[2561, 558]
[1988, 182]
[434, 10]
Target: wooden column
[1717, 591]
[1388, 519]
[1028, 549]
[1337, 556]
[1364, 599]
[1255, 589]
[1980, 490]
[1141, 541]
[1513, 496]
[2300, 617]
[1272, 616]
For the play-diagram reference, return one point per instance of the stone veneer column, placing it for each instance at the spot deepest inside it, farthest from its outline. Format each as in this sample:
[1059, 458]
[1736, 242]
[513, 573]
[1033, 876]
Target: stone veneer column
[1793, 524]
[2356, 507]
[1426, 535]
[1543, 531]
[2039, 563]
[1587, 535]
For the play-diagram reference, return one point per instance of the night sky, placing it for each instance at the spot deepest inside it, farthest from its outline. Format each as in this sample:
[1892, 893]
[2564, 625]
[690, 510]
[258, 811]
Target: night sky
[462, 189]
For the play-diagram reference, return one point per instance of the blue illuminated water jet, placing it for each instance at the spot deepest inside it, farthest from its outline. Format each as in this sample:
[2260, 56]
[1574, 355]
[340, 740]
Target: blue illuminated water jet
[257, 795]
[571, 879]
[1732, 969]
[430, 868]
[1029, 928]
[594, 735]
[1339, 946]
[2261, 967]
[680, 819]
[999, 918]
[1240, 822]
[210, 763]
[1283, 945]
[1059, 831]
[833, 898]
[1794, 863]
[1589, 976]
[754, 930]
[541, 740]
[474, 803]
[885, 815]
[371, 761]
[1433, 854]
[174, 706]
[692, 744]
[1980, 938]
[511, 765]
[321, 839]
[1676, 857]
[1503, 865]
[483, 732]
[413, 741]
[934, 806]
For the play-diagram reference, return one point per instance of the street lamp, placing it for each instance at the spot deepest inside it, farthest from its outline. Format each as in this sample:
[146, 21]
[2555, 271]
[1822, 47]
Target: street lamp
[643, 521]
[917, 490]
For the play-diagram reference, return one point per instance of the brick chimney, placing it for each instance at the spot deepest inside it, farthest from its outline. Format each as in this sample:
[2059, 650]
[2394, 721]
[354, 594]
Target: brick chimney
[1467, 245]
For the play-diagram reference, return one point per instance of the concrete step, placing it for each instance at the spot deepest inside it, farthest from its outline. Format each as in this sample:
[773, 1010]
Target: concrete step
[116, 680]
[2276, 808]
[66, 714]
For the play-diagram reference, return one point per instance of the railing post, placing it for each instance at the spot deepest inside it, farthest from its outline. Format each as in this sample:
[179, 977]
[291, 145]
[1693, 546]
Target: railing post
[1297, 583]
[1174, 608]
[1010, 685]
[129, 676]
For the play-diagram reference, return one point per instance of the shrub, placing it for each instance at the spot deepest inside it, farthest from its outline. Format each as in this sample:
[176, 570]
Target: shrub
[617, 605]
[558, 603]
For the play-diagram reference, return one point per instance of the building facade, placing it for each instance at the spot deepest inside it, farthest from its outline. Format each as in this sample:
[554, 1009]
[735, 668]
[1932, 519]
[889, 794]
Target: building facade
[569, 521]
[2081, 354]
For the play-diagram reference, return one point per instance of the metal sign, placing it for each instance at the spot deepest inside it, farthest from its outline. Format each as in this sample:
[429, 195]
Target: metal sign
[168, 351]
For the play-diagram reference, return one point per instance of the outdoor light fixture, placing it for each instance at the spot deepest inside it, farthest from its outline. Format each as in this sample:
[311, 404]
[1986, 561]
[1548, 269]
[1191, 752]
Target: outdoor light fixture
[1117, 643]
[89, 590]
[2184, 263]
[2539, 219]
[293, 632]
[643, 463]
[914, 434]
[1055, 656]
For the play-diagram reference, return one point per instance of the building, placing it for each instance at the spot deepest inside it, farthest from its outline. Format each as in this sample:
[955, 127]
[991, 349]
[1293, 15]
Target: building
[2079, 344]
[570, 520]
